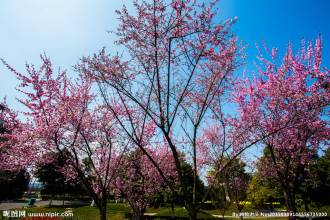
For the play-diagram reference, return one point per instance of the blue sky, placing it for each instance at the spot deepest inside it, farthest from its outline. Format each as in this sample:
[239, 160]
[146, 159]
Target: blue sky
[278, 22]
[69, 29]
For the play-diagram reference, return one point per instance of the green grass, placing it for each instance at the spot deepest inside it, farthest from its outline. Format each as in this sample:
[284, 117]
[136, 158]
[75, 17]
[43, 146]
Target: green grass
[179, 212]
[114, 211]
[230, 210]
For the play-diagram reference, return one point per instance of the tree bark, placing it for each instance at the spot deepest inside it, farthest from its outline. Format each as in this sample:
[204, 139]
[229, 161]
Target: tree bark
[172, 208]
[192, 212]
[193, 215]
[103, 214]
[137, 216]
[103, 209]
[63, 199]
[306, 204]
[290, 202]
[239, 208]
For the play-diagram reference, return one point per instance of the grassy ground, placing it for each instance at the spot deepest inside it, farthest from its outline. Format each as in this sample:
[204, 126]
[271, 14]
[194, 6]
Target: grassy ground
[114, 212]
[179, 212]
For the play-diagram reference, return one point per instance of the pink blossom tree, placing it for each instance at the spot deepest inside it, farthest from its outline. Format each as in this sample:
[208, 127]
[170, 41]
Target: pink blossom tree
[178, 65]
[10, 124]
[62, 116]
[138, 180]
[285, 107]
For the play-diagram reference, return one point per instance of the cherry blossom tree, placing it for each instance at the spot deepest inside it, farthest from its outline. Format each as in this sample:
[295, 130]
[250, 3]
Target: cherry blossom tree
[286, 107]
[176, 67]
[10, 124]
[63, 117]
[12, 183]
[138, 180]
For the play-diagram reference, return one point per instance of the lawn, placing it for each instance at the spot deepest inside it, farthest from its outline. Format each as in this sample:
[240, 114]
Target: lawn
[179, 212]
[114, 211]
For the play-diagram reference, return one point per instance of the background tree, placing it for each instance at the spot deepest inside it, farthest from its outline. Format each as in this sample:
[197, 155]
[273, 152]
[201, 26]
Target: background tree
[54, 181]
[138, 181]
[177, 198]
[263, 192]
[284, 108]
[12, 183]
[220, 199]
[232, 184]
[188, 177]
[63, 117]
[315, 188]
[322, 171]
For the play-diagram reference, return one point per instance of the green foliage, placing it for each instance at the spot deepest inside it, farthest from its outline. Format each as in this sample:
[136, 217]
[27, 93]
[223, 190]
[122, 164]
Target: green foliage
[322, 170]
[313, 190]
[54, 181]
[188, 178]
[230, 186]
[13, 184]
[219, 200]
[316, 187]
[265, 190]
[263, 193]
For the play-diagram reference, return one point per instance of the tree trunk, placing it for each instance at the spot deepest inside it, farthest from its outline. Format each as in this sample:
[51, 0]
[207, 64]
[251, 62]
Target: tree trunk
[306, 203]
[223, 213]
[291, 203]
[103, 209]
[103, 215]
[137, 216]
[192, 212]
[173, 212]
[193, 215]
[239, 208]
